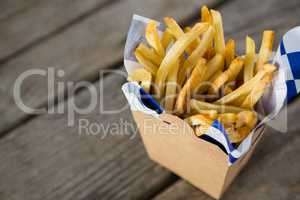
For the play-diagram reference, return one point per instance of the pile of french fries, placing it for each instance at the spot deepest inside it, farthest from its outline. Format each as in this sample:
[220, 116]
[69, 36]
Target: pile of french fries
[198, 76]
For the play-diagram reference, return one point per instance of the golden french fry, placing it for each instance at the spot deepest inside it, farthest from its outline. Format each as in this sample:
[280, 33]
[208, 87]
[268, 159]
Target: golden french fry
[238, 135]
[176, 31]
[256, 93]
[249, 59]
[153, 39]
[191, 85]
[149, 66]
[219, 35]
[212, 114]
[227, 118]
[200, 130]
[149, 54]
[205, 15]
[246, 118]
[171, 87]
[210, 53]
[194, 44]
[265, 49]
[246, 87]
[215, 75]
[229, 75]
[239, 100]
[197, 53]
[229, 52]
[198, 119]
[197, 106]
[143, 77]
[227, 90]
[174, 53]
[166, 39]
[215, 65]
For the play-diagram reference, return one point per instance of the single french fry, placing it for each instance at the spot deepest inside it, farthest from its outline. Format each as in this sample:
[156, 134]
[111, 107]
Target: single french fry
[200, 130]
[256, 93]
[238, 135]
[246, 118]
[205, 15]
[149, 54]
[215, 65]
[177, 32]
[197, 53]
[191, 85]
[149, 66]
[239, 100]
[166, 39]
[265, 49]
[246, 87]
[227, 90]
[153, 39]
[212, 114]
[215, 75]
[143, 77]
[229, 52]
[195, 43]
[249, 59]
[171, 88]
[174, 53]
[219, 35]
[210, 53]
[227, 118]
[198, 119]
[229, 75]
[197, 106]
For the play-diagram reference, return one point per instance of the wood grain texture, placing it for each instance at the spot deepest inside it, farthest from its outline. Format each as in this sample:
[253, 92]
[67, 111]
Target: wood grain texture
[10, 8]
[46, 159]
[80, 51]
[39, 20]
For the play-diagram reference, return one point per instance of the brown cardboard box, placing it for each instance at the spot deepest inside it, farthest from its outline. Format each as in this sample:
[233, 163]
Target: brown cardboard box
[171, 142]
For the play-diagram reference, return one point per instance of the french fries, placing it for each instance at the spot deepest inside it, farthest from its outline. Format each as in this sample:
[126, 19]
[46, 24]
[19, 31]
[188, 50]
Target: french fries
[219, 36]
[229, 52]
[149, 54]
[191, 85]
[229, 75]
[249, 59]
[174, 53]
[143, 77]
[171, 88]
[197, 53]
[153, 38]
[147, 64]
[265, 49]
[190, 71]
[200, 105]
[166, 39]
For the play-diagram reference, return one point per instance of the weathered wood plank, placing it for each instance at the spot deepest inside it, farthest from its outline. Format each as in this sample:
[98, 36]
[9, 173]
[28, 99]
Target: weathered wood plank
[45, 159]
[39, 20]
[94, 43]
[12, 7]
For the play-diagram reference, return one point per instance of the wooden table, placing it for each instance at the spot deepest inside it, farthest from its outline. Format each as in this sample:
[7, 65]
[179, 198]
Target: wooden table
[43, 158]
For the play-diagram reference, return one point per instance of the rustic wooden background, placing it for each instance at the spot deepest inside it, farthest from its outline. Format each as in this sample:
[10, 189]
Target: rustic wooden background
[42, 158]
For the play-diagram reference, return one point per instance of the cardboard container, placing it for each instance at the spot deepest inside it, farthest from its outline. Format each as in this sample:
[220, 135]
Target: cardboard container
[171, 142]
